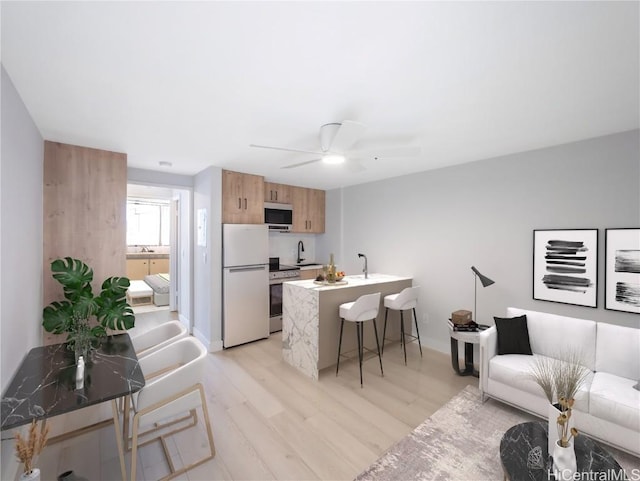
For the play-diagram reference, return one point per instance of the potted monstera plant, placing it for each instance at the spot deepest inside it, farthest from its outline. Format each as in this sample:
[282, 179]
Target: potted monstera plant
[75, 314]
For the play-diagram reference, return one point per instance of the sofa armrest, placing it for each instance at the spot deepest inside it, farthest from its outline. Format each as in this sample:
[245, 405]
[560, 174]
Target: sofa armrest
[488, 349]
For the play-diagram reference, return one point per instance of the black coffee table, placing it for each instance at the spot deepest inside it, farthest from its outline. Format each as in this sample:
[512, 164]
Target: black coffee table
[524, 455]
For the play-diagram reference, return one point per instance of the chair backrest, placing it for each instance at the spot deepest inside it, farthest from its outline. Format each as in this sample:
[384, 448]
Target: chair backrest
[365, 308]
[408, 297]
[182, 364]
[158, 337]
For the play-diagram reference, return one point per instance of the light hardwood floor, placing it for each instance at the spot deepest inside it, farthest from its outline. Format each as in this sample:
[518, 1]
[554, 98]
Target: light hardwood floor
[271, 422]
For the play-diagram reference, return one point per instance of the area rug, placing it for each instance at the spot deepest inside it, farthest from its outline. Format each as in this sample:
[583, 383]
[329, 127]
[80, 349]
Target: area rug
[460, 441]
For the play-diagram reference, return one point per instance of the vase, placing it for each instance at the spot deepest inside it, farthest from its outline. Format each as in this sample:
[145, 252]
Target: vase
[554, 411]
[33, 475]
[564, 461]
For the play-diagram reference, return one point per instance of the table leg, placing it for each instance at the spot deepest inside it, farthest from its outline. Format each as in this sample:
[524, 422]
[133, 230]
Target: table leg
[116, 425]
[468, 359]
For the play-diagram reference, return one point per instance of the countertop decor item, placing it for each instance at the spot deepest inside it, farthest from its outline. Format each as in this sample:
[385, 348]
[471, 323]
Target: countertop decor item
[75, 314]
[27, 450]
[485, 281]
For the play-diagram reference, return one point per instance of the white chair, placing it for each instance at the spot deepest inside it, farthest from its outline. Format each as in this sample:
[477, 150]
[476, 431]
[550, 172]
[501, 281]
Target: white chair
[176, 391]
[406, 299]
[157, 337]
[363, 309]
[144, 343]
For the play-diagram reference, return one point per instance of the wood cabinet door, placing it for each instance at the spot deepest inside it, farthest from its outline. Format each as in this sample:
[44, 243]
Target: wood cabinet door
[277, 193]
[300, 203]
[253, 199]
[316, 210]
[137, 269]
[159, 266]
[242, 198]
[308, 274]
[232, 197]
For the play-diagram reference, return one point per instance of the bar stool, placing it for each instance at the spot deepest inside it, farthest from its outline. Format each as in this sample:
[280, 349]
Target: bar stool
[363, 309]
[407, 299]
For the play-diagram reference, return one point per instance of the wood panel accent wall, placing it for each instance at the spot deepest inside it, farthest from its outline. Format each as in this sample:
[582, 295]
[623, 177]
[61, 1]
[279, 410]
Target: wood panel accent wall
[85, 202]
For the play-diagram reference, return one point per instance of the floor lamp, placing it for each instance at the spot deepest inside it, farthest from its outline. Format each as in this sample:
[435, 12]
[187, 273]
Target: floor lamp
[485, 281]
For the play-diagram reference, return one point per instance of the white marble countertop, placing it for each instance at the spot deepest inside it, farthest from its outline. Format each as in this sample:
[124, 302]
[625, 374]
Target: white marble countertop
[352, 281]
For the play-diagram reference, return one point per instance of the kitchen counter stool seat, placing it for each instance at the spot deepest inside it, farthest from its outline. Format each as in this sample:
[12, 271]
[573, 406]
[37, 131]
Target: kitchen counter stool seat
[362, 310]
[404, 300]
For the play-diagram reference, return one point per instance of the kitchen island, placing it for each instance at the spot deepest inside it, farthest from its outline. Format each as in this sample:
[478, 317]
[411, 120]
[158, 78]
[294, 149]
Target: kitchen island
[311, 323]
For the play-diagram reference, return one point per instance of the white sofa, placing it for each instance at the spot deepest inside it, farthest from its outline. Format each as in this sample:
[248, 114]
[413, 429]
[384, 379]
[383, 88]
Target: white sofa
[607, 407]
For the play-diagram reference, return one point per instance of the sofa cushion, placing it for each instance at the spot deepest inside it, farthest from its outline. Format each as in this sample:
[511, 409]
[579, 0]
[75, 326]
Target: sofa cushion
[613, 399]
[515, 370]
[513, 336]
[617, 350]
[551, 335]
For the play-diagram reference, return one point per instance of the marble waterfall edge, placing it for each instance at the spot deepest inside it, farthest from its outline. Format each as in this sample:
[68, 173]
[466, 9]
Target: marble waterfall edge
[300, 323]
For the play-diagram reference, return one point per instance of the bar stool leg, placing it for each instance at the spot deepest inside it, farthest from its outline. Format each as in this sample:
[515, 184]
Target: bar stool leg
[339, 345]
[415, 318]
[384, 330]
[360, 341]
[404, 345]
[375, 329]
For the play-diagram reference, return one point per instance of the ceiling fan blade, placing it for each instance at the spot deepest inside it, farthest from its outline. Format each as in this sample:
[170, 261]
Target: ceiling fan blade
[285, 149]
[412, 151]
[348, 134]
[300, 164]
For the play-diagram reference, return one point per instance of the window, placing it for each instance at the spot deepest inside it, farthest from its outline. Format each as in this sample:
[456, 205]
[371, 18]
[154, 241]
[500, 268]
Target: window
[147, 222]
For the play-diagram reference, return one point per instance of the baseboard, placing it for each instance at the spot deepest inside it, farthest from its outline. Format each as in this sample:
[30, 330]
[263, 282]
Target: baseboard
[185, 320]
[211, 346]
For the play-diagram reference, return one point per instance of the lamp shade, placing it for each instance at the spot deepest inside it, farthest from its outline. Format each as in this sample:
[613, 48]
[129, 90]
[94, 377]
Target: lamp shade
[484, 280]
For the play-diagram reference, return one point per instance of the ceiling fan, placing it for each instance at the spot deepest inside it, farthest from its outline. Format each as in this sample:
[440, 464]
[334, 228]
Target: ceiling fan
[336, 140]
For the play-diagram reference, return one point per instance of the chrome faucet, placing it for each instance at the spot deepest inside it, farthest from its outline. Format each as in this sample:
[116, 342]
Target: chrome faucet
[145, 249]
[366, 269]
[300, 250]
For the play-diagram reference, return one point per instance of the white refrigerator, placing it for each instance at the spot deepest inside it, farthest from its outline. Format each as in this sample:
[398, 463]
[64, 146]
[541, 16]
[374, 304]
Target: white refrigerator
[245, 283]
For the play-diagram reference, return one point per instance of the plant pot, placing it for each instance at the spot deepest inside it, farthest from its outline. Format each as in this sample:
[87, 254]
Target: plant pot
[34, 475]
[564, 461]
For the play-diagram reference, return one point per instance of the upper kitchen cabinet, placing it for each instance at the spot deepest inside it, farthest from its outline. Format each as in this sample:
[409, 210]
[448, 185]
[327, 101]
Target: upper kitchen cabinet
[242, 198]
[308, 210]
[278, 193]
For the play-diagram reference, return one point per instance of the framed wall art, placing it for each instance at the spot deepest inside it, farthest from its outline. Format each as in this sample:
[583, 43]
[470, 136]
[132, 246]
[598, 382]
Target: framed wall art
[622, 270]
[565, 266]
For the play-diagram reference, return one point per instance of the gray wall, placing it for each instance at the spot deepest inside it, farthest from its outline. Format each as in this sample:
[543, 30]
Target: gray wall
[436, 224]
[20, 241]
[207, 261]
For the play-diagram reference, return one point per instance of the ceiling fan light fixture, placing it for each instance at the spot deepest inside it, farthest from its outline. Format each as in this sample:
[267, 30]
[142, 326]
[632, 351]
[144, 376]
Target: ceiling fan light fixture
[333, 159]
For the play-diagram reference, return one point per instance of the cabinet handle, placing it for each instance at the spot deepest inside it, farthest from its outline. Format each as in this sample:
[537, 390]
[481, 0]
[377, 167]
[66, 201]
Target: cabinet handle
[276, 195]
[309, 225]
[245, 203]
[239, 203]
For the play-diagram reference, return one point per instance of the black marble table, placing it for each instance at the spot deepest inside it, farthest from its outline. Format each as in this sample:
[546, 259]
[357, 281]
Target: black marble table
[524, 455]
[44, 385]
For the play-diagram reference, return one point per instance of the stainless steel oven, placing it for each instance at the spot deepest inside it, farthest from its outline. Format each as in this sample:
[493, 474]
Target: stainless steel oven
[276, 278]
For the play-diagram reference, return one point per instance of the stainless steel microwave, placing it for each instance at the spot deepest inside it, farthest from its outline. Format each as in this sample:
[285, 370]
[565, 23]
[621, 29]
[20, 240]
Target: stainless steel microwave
[279, 217]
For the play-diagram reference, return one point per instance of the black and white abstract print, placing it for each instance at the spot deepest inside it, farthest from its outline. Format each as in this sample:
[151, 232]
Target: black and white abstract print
[565, 266]
[622, 286]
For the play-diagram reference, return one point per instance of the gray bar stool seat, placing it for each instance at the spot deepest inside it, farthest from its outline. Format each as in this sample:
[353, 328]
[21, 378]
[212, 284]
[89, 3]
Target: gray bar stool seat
[404, 300]
[362, 310]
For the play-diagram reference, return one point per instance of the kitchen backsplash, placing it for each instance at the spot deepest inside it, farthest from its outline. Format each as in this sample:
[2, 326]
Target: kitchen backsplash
[285, 246]
[155, 249]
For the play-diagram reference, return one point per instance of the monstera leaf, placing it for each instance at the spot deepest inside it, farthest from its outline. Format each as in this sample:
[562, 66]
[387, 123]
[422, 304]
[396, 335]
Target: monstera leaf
[110, 308]
[75, 277]
[113, 310]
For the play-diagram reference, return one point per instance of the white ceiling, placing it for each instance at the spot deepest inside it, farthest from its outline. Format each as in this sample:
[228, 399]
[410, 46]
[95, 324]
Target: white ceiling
[195, 83]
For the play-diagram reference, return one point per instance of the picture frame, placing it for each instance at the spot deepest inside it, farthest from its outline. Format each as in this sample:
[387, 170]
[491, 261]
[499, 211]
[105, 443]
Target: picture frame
[565, 266]
[622, 270]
